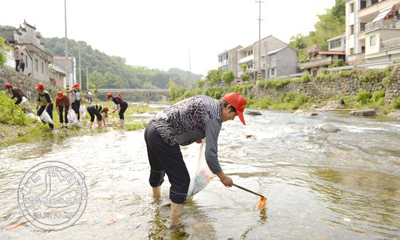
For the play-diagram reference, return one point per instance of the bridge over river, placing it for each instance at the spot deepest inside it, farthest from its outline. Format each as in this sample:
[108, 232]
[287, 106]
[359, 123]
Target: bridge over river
[145, 94]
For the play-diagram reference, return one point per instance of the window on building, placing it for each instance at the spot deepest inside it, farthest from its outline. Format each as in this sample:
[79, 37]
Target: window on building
[363, 49]
[272, 72]
[374, 2]
[36, 65]
[362, 27]
[352, 8]
[363, 4]
[372, 40]
[26, 61]
[42, 67]
[351, 29]
[249, 53]
[336, 43]
[351, 51]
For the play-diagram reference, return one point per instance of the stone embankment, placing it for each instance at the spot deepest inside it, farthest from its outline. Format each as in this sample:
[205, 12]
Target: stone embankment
[20, 80]
[338, 86]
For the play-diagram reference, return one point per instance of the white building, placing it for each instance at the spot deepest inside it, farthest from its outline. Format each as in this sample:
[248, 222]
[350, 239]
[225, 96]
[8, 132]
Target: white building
[372, 31]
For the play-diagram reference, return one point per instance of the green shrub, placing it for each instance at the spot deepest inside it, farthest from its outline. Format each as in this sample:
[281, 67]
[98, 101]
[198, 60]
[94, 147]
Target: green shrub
[373, 75]
[363, 97]
[345, 73]
[338, 63]
[396, 103]
[379, 97]
[11, 113]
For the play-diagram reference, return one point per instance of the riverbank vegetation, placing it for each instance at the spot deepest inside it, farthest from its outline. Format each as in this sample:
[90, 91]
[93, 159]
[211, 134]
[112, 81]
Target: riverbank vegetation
[288, 92]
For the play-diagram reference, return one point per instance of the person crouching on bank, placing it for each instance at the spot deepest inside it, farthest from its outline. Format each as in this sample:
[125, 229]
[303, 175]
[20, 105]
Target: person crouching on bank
[99, 112]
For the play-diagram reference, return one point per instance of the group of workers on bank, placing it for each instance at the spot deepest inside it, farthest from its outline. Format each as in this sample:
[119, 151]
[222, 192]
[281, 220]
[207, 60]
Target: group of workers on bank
[64, 103]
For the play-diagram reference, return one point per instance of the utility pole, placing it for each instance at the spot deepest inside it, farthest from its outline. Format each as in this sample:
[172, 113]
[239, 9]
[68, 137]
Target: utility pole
[80, 70]
[87, 79]
[66, 38]
[259, 41]
[189, 74]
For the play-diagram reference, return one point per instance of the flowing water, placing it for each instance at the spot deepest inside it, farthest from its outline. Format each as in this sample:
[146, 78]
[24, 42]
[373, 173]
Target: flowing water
[319, 185]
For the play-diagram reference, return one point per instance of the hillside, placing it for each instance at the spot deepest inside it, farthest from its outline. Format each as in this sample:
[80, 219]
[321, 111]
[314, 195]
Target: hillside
[112, 71]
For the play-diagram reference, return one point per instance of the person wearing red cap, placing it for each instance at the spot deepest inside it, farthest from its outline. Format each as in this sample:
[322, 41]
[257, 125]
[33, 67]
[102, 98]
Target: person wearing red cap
[76, 99]
[15, 92]
[100, 112]
[62, 105]
[17, 57]
[45, 102]
[122, 105]
[183, 123]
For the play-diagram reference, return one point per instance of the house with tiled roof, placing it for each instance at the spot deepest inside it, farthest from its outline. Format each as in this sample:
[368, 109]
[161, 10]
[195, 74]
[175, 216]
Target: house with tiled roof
[37, 60]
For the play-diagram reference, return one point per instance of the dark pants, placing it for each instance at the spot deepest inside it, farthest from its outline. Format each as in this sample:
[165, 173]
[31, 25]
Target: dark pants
[19, 100]
[61, 109]
[76, 105]
[92, 112]
[22, 66]
[123, 107]
[17, 65]
[49, 111]
[166, 159]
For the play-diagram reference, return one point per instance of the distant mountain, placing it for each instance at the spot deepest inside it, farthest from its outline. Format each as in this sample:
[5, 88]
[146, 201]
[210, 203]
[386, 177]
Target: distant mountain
[112, 71]
[185, 74]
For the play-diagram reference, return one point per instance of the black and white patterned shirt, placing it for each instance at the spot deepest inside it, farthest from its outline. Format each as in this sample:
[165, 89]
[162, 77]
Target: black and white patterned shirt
[192, 119]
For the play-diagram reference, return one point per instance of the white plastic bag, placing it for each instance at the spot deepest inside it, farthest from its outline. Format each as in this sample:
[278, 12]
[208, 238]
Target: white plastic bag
[25, 104]
[30, 116]
[46, 117]
[203, 174]
[82, 109]
[72, 119]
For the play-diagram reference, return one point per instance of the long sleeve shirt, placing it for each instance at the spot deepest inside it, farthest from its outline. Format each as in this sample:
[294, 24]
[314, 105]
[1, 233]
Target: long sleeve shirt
[64, 102]
[17, 93]
[190, 120]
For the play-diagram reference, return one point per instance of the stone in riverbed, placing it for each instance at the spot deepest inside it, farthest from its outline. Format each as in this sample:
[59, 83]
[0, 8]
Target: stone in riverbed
[364, 113]
[328, 128]
[253, 113]
[394, 114]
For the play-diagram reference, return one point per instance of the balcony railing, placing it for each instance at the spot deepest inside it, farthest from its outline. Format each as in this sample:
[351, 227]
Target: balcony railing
[381, 24]
[316, 63]
[390, 44]
[246, 59]
[376, 7]
[356, 58]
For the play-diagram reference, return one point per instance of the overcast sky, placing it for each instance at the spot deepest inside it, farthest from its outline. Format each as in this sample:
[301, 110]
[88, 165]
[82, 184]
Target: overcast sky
[161, 33]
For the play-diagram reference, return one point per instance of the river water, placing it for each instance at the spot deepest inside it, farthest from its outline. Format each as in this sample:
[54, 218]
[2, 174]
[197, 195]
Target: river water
[319, 185]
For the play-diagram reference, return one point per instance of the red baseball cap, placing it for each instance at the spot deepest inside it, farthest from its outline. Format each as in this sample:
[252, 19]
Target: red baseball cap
[8, 85]
[60, 95]
[39, 86]
[238, 102]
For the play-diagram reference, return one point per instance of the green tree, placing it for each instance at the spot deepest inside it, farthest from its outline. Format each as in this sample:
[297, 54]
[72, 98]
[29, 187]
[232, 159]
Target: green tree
[3, 57]
[228, 77]
[214, 77]
[330, 24]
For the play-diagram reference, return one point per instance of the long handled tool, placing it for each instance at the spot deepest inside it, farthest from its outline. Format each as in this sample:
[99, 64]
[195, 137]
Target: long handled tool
[247, 190]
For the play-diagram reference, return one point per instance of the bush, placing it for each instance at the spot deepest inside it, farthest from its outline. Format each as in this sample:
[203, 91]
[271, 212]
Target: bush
[373, 75]
[378, 95]
[396, 103]
[363, 97]
[11, 113]
[338, 63]
[345, 73]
